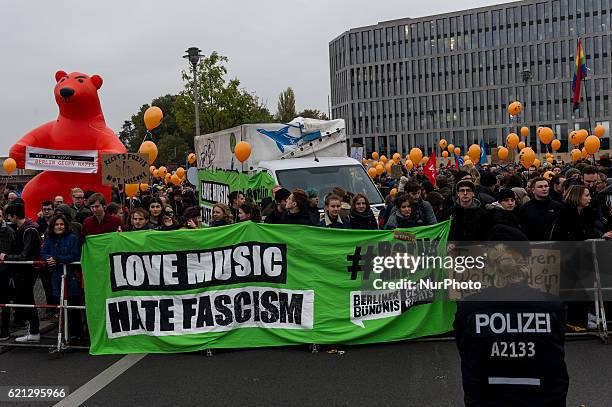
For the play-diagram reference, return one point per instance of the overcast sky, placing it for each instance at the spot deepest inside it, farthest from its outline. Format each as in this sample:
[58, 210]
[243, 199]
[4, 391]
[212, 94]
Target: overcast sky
[136, 46]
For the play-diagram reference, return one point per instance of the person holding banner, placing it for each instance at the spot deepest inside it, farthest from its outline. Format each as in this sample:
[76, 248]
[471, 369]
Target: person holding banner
[139, 220]
[361, 215]
[297, 209]
[169, 221]
[249, 211]
[221, 215]
[280, 198]
[401, 215]
[332, 218]
[156, 205]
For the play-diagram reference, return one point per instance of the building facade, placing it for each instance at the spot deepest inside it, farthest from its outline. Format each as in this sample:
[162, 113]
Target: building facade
[410, 82]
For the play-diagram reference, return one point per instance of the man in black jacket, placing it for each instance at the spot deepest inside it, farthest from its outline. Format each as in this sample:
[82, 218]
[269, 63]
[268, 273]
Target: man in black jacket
[26, 248]
[280, 199]
[471, 222]
[539, 215]
[511, 341]
[7, 240]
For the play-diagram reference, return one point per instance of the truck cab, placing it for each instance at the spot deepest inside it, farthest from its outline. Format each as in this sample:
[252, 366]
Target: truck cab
[323, 174]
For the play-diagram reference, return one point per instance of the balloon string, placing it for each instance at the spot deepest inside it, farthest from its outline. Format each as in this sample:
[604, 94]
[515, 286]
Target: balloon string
[147, 133]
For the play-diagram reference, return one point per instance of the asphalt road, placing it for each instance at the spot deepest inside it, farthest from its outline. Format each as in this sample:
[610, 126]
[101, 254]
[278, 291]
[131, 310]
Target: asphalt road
[410, 373]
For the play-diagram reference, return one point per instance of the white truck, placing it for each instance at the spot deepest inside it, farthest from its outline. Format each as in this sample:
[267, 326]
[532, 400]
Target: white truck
[304, 153]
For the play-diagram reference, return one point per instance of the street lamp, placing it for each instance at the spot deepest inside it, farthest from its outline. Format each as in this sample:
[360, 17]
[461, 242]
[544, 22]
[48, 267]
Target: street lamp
[194, 56]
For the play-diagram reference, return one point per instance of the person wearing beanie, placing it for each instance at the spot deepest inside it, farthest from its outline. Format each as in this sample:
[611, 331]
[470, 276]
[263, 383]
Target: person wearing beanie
[313, 205]
[572, 173]
[280, 198]
[471, 222]
[504, 210]
[486, 193]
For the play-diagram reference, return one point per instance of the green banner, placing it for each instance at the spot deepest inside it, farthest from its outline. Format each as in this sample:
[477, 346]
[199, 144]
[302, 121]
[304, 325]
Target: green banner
[250, 285]
[215, 186]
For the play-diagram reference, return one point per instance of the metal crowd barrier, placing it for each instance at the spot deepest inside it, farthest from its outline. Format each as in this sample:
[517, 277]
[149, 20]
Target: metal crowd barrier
[62, 332]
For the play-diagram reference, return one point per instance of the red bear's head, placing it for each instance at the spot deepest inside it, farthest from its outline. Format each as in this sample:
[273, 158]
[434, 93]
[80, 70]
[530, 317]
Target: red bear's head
[76, 95]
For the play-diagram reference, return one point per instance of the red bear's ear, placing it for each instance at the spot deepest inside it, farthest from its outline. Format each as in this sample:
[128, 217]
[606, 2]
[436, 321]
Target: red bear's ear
[97, 81]
[59, 75]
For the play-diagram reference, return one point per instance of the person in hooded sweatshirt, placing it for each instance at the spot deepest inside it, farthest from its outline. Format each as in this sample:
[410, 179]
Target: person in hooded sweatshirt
[332, 218]
[471, 221]
[361, 216]
[401, 216]
[503, 211]
[297, 209]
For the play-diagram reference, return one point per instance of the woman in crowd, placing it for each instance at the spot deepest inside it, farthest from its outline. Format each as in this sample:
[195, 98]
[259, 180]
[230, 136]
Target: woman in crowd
[221, 215]
[577, 219]
[249, 211]
[401, 217]
[139, 218]
[192, 218]
[297, 209]
[156, 206]
[60, 247]
[361, 215]
[169, 221]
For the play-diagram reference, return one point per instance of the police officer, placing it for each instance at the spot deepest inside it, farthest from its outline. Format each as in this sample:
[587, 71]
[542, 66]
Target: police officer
[511, 340]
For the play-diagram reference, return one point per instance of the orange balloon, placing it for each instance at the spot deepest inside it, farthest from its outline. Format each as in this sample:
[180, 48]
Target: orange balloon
[409, 165]
[375, 163]
[548, 175]
[502, 153]
[375, 155]
[151, 169]
[457, 151]
[521, 145]
[425, 160]
[443, 143]
[573, 138]
[379, 169]
[450, 148]
[468, 162]
[527, 157]
[144, 187]
[156, 174]
[191, 158]
[167, 178]
[474, 152]
[383, 159]
[512, 140]
[153, 117]
[149, 147]
[372, 172]
[175, 179]
[388, 167]
[582, 135]
[592, 144]
[393, 192]
[600, 131]
[9, 165]
[555, 144]
[515, 108]
[576, 154]
[131, 189]
[242, 151]
[549, 159]
[416, 155]
[397, 157]
[545, 134]
[162, 171]
[584, 153]
[445, 154]
[537, 163]
[524, 131]
[180, 171]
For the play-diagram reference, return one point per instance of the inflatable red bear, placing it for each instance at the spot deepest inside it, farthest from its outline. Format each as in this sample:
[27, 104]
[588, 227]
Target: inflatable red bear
[79, 126]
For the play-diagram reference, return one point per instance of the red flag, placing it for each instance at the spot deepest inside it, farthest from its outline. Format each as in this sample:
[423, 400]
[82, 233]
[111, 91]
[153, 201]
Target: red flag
[430, 169]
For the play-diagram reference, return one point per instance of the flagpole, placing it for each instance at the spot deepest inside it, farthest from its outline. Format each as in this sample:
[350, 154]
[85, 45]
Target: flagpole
[586, 98]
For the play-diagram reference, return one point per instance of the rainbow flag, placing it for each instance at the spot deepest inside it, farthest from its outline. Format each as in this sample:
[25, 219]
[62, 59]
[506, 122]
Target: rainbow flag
[580, 72]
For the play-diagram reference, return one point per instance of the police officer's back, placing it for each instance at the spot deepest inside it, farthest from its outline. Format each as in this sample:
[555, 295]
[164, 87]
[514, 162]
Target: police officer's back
[511, 343]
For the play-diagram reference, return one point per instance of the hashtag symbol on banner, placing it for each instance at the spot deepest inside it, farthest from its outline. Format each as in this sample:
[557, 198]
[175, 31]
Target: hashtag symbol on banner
[355, 260]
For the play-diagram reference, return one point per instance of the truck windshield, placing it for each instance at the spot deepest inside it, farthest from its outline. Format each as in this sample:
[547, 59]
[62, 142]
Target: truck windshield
[352, 178]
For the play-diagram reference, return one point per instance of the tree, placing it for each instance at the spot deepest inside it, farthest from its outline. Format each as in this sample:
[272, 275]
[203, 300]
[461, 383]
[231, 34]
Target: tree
[222, 103]
[173, 144]
[286, 106]
[313, 114]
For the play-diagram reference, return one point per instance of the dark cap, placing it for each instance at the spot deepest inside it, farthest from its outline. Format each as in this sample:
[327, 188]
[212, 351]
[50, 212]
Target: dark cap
[282, 194]
[466, 183]
[488, 179]
[506, 193]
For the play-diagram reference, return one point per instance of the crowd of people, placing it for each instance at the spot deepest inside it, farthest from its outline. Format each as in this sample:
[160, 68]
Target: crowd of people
[497, 203]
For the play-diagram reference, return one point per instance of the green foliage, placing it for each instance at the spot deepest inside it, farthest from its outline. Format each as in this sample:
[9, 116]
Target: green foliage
[222, 104]
[313, 114]
[285, 111]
